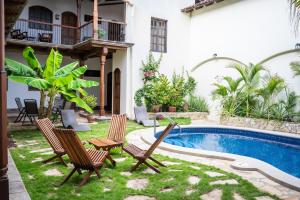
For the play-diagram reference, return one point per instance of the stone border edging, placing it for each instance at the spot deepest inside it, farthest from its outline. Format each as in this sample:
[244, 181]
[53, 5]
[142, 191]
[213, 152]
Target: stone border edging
[238, 162]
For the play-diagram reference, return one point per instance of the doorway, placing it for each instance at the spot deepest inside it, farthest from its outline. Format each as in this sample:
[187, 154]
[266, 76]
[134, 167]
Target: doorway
[109, 92]
[117, 84]
[68, 35]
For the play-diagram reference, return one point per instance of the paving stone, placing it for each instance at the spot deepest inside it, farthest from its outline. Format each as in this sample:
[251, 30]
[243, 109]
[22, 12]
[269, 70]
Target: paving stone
[53, 172]
[139, 197]
[126, 173]
[175, 170]
[41, 150]
[213, 174]
[193, 180]
[223, 182]
[236, 196]
[195, 167]
[47, 153]
[30, 176]
[168, 180]
[106, 190]
[167, 189]
[264, 198]
[22, 156]
[167, 163]
[37, 160]
[26, 145]
[189, 192]
[271, 189]
[118, 160]
[137, 184]
[216, 194]
[149, 171]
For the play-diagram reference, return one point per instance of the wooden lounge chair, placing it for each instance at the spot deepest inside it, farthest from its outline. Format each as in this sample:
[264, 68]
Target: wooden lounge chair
[142, 155]
[46, 127]
[116, 134]
[91, 160]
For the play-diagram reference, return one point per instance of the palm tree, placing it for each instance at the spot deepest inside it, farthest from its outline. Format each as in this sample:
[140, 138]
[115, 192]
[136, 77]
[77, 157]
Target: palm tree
[250, 76]
[296, 68]
[295, 12]
[52, 79]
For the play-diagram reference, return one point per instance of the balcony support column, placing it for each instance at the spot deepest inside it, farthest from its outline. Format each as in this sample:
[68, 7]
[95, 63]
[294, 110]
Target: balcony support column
[95, 20]
[103, 54]
[4, 190]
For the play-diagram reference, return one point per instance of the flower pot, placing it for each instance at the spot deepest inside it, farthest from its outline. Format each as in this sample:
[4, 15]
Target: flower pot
[172, 109]
[156, 108]
[90, 118]
[185, 107]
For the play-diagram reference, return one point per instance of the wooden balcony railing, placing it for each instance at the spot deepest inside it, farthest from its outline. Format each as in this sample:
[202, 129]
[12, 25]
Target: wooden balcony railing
[61, 34]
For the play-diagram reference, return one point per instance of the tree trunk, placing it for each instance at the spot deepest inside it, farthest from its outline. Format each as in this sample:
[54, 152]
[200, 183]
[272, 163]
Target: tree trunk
[50, 106]
[42, 104]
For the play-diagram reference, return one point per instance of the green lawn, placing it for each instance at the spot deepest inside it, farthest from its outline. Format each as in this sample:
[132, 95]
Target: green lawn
[40, 186]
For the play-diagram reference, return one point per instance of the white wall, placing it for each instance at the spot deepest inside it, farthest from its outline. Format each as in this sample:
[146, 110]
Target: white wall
[247, 30]
[139, 26]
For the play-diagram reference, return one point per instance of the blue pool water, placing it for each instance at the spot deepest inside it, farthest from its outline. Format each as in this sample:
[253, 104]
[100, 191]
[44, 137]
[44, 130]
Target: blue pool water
[280, 151]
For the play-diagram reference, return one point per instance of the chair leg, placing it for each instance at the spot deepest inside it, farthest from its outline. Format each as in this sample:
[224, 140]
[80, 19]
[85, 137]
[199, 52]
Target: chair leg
[79, 171]
[86, 178]
[68, 177]
[98, 173]
[150, 166]
[62, 160]
[136, 166]
[17, 119]
[49, 159]
[157, 162]
[111, 160]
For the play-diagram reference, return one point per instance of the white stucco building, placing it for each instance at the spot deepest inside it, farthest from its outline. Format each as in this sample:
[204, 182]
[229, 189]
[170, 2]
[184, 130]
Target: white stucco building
[247, 30]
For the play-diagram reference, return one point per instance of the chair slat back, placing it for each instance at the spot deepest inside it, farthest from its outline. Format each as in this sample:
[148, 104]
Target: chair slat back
[31, 106]
[46, 127]
[19, 103]
[159, 140]
[117, 128]
[74, 148]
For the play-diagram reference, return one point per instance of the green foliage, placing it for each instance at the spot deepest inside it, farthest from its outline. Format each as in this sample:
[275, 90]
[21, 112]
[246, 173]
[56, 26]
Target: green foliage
[197, 104]
[150, 68]
[91, 101]
[138, 97]
[101, 33]
[52, 79]
[252, 95]
[296, 68]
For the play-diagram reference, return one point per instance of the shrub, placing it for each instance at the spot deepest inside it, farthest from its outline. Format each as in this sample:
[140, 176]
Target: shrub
[197, 104]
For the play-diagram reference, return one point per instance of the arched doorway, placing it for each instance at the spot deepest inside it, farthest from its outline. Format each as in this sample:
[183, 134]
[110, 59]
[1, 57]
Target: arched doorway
[117, 89]
[68, 35]
[109, 92]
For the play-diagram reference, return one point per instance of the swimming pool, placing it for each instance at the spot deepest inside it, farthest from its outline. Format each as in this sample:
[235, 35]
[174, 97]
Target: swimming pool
[280, 151]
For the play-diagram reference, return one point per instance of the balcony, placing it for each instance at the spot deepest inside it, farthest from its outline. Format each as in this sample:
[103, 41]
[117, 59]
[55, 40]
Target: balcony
[42, 32]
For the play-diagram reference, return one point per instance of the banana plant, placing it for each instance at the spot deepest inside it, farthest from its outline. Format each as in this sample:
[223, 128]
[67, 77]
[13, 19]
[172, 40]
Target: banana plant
[51, 79]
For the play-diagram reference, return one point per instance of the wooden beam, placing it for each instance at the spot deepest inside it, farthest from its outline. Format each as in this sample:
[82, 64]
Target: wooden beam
[4, 190]
[95, 20]
[103, 54]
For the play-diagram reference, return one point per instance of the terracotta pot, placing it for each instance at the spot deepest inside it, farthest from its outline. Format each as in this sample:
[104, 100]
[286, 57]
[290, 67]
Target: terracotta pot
[172, 109]
[90, 118]
[156, 108]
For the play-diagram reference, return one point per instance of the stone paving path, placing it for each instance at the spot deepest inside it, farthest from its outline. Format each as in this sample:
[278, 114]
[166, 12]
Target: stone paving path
[17, 190]
[256, 178]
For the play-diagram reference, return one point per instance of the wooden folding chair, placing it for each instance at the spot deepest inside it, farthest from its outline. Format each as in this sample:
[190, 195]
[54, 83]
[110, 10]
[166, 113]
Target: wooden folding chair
[46, 127]
[116, 134]
[142, 155]
[91, 160]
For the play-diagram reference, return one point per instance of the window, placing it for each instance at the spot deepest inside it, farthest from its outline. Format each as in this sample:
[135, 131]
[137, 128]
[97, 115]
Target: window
[41, 14]
[158, 35]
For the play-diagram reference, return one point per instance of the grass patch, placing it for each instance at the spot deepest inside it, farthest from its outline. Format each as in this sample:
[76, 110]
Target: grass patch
[40, 186]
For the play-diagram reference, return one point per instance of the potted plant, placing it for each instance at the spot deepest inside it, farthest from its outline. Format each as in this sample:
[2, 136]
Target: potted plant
[101, 33]
[91, 101]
